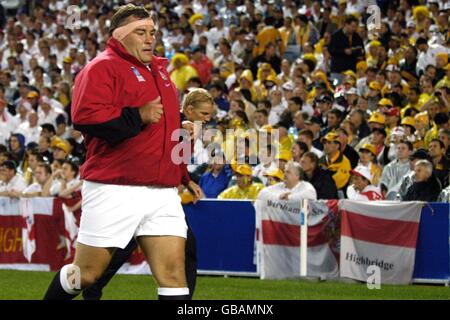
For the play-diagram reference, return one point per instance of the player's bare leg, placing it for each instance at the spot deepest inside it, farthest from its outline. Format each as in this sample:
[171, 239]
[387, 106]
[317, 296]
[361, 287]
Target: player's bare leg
[89, 264]
[165, 255]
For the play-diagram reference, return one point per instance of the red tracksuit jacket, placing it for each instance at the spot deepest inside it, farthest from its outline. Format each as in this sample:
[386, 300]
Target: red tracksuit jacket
[120, 150]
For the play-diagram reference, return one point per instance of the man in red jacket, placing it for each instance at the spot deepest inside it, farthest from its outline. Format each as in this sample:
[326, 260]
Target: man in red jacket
[127, 108]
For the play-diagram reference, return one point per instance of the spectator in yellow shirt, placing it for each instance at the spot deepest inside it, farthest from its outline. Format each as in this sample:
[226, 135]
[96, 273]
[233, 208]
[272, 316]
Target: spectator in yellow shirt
[244, 188]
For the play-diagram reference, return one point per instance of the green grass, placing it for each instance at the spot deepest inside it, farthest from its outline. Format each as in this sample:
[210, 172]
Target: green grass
[16, 285]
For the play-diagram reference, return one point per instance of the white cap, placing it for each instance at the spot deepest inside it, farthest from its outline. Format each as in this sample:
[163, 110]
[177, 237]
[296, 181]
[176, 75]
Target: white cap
[362, 171]
[352, 90]
[398, 131]
[411, 24]
[288, 86]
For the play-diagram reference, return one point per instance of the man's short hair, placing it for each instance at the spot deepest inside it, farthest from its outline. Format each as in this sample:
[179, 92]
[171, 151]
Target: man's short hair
[297, 100]
[9, 164]
[124, 12]
[427, 165]
[49, 127]
[46, 166]
[262, 111]
[73, 165]
[440, 142]
[307, 133]
[408, 144]
[297, 169]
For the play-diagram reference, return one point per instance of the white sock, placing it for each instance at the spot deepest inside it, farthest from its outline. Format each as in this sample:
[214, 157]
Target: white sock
[173, 291]
[70, 278]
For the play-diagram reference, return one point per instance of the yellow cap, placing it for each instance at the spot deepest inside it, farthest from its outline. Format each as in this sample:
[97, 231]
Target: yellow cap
[375, 85]
[331, 136]
[32, 94]
[423, 118]
[377, 118]
[310, 56]
[285, 155]
[276, 173]
[63, 146]
[67, 60]
[362, 65]
[410, 121]
[244, 169]
[195, 17]
[369, 147]
[349, 73]
[267, 128]
[374, 43]
[385, 102]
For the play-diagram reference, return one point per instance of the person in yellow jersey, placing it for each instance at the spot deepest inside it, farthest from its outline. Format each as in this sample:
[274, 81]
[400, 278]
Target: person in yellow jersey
[245, 188]
[368, 158]
[182, 71]
[274, 176]
[334, 161]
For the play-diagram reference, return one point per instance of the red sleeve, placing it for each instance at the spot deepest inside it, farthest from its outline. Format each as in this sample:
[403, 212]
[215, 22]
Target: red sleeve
[93, 95]
[185, 178]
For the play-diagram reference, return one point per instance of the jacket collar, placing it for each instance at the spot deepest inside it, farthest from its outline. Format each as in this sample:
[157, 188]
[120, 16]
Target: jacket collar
[119, 49]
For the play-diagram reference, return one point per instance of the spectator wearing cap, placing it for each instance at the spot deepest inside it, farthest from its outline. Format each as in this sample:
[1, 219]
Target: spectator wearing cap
[321, 179]
[273, 176]
[361, 187]
[345, 47]
[334, 161]
[426, 186]
[307, 136]
[408, 180]
[12, 183]
[61, 149]
[441, 164]
[392, 175]
[376, 121]
[346, 149]
[216, 178]
[409, 126]
[368, 158]
[392, 116]
[244, 188]
[282, 158]
[293, 187]
[67, 74]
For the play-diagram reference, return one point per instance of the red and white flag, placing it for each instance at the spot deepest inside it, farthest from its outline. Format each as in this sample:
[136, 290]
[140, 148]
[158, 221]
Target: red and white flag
[383, 234]
[278, 245]
[28, 228]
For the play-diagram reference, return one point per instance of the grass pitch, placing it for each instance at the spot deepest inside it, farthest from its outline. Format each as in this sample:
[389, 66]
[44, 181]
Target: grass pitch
[19, 285]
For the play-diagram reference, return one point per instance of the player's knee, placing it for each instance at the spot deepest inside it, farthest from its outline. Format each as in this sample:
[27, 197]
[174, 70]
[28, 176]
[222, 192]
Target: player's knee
[174, 275]
[89, 277]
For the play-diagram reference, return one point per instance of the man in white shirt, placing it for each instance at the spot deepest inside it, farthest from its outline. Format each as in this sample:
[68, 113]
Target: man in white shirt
[293, 187]
[278, 105]
[30, 129]
[428, 53]
[46, 111]
[40, 188]
[12, 184]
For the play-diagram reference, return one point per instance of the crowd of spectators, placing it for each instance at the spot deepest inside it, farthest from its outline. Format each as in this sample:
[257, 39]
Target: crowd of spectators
[361, 111]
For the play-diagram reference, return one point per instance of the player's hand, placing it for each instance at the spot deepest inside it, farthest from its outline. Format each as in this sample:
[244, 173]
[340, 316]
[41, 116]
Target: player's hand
[152, 111]
[189, 127]
[196, 191]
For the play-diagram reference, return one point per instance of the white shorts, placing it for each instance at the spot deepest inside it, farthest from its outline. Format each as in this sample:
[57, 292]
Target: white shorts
[113, 214]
